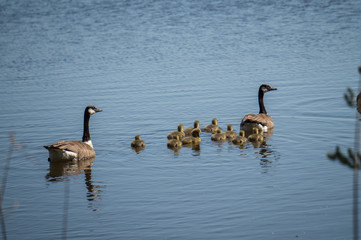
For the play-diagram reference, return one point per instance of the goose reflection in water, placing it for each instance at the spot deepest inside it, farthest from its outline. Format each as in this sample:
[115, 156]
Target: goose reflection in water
[58, 170]
[267, 155]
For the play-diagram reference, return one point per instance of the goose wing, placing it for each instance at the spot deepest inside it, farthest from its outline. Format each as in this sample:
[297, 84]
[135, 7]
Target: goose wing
[82, 149]
[260, 118]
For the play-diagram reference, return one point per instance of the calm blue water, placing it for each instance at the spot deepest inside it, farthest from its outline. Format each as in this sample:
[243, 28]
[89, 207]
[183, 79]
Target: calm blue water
[151, 65]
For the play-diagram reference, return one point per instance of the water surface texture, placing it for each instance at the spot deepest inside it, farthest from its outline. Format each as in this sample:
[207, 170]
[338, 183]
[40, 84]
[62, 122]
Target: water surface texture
[151, 65]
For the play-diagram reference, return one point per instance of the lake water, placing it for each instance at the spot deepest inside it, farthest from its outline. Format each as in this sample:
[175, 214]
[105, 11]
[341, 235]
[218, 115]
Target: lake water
[151, 65]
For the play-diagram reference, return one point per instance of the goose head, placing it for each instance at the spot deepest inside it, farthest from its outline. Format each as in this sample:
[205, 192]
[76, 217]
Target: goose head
[266, 88]
[92, 109]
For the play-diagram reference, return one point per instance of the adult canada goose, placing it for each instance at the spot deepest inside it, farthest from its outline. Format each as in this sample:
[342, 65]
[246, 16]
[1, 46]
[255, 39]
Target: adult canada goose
[219, 136]
[174, 143]
[262, 119]
[188, 131]
[75, 150]
[194, 140]
[230, 134]
[241, 139]
[255, 137]
[137, 142]
[178, 133]
[212, 128]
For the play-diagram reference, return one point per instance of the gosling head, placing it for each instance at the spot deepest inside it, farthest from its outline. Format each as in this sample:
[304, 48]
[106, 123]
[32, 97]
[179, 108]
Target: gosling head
[219, 131]
[138, 138]
[255, 130]
[196, 124]
[229, 127]
[180, 128]
[241, 133]
[214, 121]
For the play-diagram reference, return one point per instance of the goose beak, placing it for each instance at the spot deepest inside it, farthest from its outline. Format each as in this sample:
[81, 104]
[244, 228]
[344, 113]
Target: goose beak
[272, 89]
[98, 110]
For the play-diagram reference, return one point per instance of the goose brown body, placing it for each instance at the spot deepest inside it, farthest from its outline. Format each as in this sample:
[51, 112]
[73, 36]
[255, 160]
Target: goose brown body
[262, 118]
[75, 150]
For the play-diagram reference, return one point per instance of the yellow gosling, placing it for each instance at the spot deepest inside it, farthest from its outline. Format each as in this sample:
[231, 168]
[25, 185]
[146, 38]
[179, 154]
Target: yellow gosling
[137, 142]
[174, 143]
[179, 133]
[241, 139]
[230, 134]
[219, 136]
[188, 131]
[194, 140]
[212, 128]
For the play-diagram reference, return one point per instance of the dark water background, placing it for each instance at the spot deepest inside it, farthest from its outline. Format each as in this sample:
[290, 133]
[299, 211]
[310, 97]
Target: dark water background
[151, 65]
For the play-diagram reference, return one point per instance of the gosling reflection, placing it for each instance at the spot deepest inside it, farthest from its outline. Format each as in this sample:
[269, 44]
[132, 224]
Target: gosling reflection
[58, 170]
[267, 155]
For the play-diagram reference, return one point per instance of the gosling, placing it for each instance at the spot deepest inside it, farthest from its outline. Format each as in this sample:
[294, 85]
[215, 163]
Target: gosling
[255, 137]
[219, 136]
[188, 131]
[179, 133]
[194, 140]
[230, 134]
[174, 143]
[137, 142]
[212, 128]
[241, 139]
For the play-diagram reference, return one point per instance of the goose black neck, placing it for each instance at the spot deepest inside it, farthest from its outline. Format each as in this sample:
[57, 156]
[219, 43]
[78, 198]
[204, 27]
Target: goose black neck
[262, 108]
[86, 134]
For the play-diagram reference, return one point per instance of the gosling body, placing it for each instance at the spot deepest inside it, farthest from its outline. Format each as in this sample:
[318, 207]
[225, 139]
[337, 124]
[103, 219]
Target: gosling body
[219, 136]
